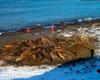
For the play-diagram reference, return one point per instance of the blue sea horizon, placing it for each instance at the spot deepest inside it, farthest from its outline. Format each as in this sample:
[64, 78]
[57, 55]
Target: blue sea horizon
[16, 14]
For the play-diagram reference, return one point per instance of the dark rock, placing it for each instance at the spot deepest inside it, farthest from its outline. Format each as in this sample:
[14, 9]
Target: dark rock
[98, 70]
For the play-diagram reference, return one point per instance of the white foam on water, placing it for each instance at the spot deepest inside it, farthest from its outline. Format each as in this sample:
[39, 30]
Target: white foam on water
[88, 18]
[11, 72]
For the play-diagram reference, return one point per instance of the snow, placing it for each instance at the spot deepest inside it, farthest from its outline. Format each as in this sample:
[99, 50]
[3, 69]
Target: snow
[97, 51]
[11, 72]
[66, 35]
[0, 33]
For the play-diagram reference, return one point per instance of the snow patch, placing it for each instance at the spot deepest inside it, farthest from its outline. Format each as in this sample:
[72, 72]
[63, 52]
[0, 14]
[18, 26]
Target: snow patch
[11, 72]
[0, 33]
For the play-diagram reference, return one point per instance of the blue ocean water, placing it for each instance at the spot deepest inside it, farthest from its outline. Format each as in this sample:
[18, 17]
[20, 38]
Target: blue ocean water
[15, 14]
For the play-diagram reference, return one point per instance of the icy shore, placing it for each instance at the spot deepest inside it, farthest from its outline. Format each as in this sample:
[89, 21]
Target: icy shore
[11, 72]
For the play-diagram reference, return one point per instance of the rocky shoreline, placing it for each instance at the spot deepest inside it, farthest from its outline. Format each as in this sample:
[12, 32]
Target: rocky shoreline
[69, 42]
